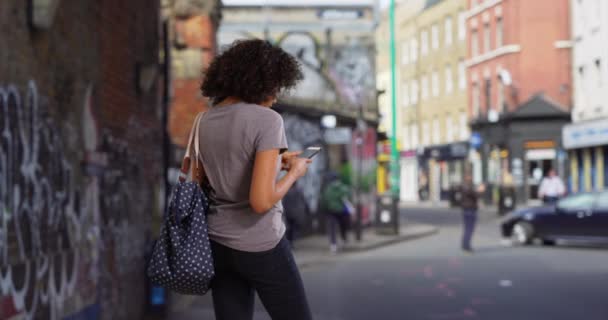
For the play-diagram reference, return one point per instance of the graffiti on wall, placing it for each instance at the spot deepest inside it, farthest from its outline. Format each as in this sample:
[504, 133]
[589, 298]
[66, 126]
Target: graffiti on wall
[66, 233]
[341, 74]
[337, 75]
[301, 134]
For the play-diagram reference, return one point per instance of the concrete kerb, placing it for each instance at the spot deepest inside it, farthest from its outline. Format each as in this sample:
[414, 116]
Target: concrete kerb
[315, 250]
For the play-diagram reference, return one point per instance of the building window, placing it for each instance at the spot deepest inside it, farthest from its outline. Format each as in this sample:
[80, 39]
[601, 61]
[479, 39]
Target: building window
[424, 43]
[476, 97]
[462, 75]
[435, 83]
[474, 43]
[414, 95]
[464, 127]
[406, 139]
[414, 49]
[499, 32]
[449, 79]
[425, 87]
[598, 73]
[435, 36]
[488, 94]
[580, 90]
[414, 130]
[500, 103]
[405, 95]
[449, 129]
[405, 53]
[426, 133]
[462, 29]
[436, 131]
[487, 38]
[448, 31]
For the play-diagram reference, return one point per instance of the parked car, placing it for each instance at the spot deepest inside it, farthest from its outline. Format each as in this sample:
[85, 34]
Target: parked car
[583, 215]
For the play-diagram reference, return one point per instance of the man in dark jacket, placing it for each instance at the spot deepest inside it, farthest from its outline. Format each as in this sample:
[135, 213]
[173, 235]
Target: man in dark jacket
[469, 204]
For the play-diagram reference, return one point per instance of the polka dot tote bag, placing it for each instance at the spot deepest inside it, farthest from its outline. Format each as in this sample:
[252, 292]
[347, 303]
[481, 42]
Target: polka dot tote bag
[181, 260]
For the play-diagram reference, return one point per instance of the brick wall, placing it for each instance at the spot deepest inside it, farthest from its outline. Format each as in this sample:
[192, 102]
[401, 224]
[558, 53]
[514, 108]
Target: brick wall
[193, 46]
[80, 158]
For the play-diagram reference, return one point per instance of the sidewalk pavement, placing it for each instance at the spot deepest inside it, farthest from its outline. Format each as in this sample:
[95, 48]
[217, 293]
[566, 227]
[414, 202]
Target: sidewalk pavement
[309, 251]
[315, 249]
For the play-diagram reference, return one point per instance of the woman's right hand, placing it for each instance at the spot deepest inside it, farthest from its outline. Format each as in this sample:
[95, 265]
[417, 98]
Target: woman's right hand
[298, 166]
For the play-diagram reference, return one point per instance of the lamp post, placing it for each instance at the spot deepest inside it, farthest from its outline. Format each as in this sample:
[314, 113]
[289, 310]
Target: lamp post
[394, 152]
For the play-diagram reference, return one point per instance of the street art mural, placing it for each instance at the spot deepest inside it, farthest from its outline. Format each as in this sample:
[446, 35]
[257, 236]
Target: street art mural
[71, 226]
[338, 75]
[302, 133]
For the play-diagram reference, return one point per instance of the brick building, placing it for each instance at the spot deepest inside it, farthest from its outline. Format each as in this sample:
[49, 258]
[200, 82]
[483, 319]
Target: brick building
[192, 27]
[520, 89]
[80, 170]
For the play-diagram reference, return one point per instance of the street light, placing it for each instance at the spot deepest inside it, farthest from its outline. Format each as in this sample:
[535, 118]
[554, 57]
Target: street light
[394, 151]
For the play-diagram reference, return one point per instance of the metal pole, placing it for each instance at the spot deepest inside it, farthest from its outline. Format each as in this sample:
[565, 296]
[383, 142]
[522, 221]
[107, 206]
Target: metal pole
[359, 141]
[394, 151]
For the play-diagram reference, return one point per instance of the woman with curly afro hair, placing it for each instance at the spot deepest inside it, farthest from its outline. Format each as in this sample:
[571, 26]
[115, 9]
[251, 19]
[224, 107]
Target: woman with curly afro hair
[244, 147]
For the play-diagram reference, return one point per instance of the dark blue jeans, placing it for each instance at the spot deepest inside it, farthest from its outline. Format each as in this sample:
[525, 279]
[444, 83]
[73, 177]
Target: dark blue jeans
[273, 274]
[469, 219]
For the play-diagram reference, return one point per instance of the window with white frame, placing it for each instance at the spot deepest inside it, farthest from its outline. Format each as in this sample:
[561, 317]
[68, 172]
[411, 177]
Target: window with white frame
[500, 103]
[436, 131]
[448, 31]
[487, 45]
[476, 97]
[435, 36]
[462, 75]
[405, 53]
[435, 83]
[464, 127]
[474, 43]
[581, 87]
[426, 133]
[406, 139]
[598, 74]
[449, 79]
[424, 43]
[449, 129]
[499, 32]
[425, 87]
[414, 134]
[414, 92]
[455, 128]
[462, 25]
[414, 49]
[405, 95]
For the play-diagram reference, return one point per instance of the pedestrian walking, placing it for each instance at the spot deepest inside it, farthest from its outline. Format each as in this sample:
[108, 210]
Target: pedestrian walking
[551, 188]
[296, 211]
[243, 142]
[336, 199]
[470, 206]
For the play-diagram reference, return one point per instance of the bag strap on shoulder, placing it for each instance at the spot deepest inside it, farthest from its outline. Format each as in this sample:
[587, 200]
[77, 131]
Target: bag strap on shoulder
[193, 152]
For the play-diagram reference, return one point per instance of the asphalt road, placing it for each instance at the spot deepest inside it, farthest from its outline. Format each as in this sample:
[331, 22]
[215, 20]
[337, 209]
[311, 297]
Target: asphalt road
[431, 278]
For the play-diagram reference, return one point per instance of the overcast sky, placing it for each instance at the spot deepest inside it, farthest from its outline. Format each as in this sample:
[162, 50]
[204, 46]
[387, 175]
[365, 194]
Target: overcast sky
[300, 2]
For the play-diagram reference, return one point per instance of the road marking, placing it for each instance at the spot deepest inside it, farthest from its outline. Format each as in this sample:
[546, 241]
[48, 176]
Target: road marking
[505, 283]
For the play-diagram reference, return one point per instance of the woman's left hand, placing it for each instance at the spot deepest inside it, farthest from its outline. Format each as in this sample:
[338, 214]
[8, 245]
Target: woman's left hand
[286, 158]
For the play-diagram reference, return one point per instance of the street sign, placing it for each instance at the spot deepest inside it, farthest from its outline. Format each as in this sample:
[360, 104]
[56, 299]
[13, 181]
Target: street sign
[476, 140]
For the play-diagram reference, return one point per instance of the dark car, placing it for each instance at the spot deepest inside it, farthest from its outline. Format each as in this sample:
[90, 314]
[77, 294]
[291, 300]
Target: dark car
[583, 215]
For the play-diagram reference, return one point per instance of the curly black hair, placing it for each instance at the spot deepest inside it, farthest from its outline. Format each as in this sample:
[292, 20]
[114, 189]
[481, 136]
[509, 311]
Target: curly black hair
[252, 70]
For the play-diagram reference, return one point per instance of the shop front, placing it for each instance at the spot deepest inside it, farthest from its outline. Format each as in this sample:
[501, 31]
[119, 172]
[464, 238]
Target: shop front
[409, 176]
[440, 168]
[587, 145]
[520, 148]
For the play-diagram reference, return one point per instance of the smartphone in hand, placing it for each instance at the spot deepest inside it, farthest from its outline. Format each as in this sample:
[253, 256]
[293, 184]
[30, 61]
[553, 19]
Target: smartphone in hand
[310, 152]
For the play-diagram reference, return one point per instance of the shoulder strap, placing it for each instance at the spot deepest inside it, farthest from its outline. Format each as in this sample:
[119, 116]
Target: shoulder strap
[192, 146]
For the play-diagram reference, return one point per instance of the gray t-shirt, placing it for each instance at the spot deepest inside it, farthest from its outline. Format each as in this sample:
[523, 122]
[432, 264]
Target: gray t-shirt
[230, 137]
